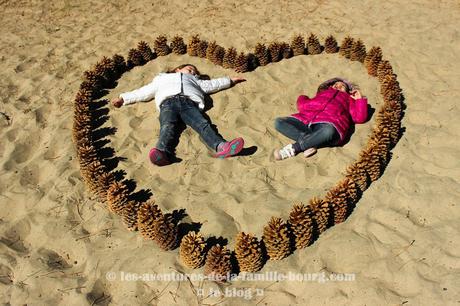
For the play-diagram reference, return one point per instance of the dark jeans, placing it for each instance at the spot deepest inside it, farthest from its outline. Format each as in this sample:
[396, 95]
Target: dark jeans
[316, 135]
[174, 112]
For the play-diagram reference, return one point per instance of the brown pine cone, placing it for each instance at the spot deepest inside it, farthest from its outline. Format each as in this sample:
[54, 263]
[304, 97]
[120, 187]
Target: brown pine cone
[218, 266]
[248, 252]
[276, 239]
[192, 250]
[301, 224]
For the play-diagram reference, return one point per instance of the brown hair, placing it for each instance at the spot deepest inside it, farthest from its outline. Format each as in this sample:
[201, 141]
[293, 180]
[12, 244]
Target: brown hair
[173, 70]
[326, 84]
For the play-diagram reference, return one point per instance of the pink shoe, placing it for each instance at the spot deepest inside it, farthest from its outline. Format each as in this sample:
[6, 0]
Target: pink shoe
[230, 148]
[158, 157]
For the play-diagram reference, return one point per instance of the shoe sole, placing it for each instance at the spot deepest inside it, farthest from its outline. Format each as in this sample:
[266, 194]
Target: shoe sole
[309, 152]
[235, 147]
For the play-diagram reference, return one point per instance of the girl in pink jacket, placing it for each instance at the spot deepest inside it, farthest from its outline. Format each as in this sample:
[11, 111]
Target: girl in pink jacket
[324, 120]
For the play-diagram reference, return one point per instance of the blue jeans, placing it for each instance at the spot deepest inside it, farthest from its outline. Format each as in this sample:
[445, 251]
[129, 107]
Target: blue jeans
[174, 112]
[316, 135]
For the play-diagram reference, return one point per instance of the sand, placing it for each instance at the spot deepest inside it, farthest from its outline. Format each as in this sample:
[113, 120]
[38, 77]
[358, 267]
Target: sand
[59, 246]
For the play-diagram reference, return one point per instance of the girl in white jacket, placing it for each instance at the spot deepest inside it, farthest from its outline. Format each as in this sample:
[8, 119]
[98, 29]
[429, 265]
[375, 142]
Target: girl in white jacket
[179, 96]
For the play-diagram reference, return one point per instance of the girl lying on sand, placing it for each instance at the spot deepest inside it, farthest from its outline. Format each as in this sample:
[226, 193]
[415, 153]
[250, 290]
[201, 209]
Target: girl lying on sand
[179, 96]
[324, 120]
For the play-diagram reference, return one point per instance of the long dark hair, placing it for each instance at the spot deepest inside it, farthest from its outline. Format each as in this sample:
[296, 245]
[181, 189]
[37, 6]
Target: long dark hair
[173, 70]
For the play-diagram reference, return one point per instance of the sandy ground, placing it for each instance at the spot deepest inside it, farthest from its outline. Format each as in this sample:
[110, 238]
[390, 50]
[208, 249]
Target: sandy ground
[61, 247]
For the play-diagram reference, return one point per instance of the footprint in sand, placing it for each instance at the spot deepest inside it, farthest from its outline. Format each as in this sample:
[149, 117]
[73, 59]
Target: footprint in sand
[14, 237]
[52, 260]
[6, 275]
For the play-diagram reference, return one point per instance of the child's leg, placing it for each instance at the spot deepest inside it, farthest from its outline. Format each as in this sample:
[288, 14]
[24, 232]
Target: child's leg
[169, 127]
[321, 135]
[291, 127]
[193, 117]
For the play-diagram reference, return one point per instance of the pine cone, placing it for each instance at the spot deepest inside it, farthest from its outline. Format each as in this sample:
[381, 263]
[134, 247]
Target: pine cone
[192, 250]
[94, 79]
[337, 197]
[374, 51]
[129, 216]
[218, 55]
[218, 265]
[89, 88]
[389, 116]
[298, 45]
[330, 45]
[119, 65]
[202, 47]
[370, 158]
[301, 224]
[275, 51]
[286, 51]
[147, 214]
[87, 154]
[276, 239]
[248, 252]
[178, 46]
[313, 45]
[241, 63]
[262, 54]
[230, 58]
[383, 70]
[390, 89]
[166, 233]
[210, 50]
[161, 46]
[395, 107]
[357, 173]
[104, 181]
[91, 173]
[193, 45]
[358, 51]
[321, 213]
[346, 47]
[351, 190]
[145, 51]
[135, 58]
[373, 65]
[380, 138]
[106, 70]
[117, 197]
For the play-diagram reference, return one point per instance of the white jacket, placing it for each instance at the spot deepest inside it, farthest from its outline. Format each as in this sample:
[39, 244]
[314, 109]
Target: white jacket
[165, 85]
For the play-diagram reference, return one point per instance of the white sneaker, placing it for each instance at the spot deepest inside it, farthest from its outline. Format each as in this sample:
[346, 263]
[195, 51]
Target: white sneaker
[286, 152]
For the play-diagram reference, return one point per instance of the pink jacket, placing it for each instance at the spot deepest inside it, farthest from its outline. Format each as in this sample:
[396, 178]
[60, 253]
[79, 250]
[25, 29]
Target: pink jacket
[332, 106]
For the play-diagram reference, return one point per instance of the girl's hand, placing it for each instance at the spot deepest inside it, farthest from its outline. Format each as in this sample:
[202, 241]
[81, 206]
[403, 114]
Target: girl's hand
[117, 102]
[355, 94]
[237, 80]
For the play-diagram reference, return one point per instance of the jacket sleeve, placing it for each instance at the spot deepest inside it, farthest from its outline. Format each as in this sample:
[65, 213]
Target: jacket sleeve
[302, 103]
[214, 85]
[358, 110]
[145, 93]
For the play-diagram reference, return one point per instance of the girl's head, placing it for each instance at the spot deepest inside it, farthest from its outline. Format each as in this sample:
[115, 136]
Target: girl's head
[185, 68]
[336, 83]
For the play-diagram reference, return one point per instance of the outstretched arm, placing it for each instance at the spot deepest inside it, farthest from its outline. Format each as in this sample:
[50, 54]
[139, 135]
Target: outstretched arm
[215, 85]
[145, 93]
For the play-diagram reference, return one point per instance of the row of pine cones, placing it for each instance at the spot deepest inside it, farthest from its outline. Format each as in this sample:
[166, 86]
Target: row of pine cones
[280, 237]
[262, 55]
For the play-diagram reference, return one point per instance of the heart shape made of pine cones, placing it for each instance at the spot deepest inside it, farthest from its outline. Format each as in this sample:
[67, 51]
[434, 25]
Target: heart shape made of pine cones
[280, 237]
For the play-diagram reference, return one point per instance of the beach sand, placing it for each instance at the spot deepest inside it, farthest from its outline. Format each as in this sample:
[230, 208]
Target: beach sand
[59, 246]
